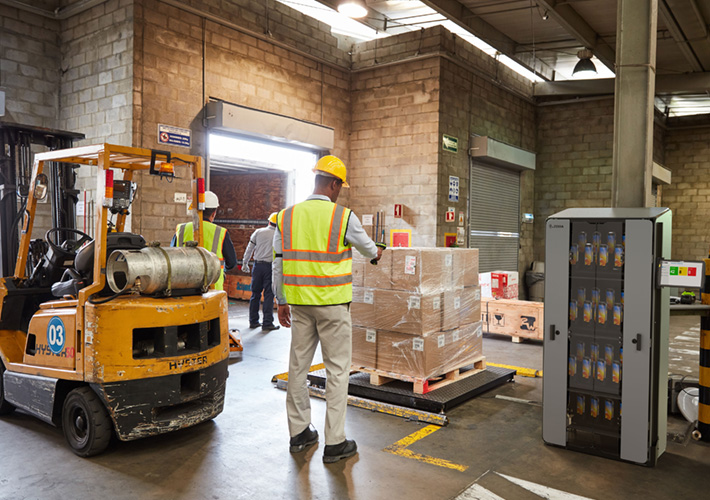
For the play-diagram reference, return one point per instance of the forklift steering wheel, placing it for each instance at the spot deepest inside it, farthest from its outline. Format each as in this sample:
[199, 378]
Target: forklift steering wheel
[67, 246]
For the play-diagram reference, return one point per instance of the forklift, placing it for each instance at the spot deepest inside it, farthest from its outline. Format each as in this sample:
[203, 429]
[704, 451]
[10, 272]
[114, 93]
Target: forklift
[108, 335]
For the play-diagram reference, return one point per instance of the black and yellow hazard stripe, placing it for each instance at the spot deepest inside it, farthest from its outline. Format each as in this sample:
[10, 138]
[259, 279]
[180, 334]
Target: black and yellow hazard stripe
[704, 379]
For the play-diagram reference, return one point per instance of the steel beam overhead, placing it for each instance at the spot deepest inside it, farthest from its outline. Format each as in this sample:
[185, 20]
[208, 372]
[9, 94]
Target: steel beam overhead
[677, 33]
[464, 17]
[692, 83]
[569, 19]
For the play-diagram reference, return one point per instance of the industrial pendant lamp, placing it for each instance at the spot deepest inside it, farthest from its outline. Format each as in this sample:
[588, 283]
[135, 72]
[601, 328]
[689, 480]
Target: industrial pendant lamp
[352, 8]
[585, 63]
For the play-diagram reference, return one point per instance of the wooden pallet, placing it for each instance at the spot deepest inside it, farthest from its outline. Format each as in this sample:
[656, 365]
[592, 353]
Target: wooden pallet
[424, 385]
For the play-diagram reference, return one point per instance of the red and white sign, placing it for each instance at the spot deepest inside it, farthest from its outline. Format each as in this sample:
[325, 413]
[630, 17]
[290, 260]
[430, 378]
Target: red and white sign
[450, 216]
[398, 211]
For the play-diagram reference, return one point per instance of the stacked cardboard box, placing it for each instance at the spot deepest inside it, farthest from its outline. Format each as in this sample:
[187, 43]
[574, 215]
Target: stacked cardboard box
[417, 312]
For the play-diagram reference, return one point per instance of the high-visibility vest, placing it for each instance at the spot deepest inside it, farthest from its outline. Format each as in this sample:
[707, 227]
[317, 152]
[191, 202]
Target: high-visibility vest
[213, 237]
[317, 262]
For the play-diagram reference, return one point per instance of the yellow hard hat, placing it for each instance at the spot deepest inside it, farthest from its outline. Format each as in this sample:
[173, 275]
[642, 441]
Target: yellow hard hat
[272, 217]
[333, 166]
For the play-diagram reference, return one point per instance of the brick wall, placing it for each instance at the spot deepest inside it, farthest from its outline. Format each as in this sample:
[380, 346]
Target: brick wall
[97, 80]
[687, 154]
[240, 67]
[574, 160]
[29, 67]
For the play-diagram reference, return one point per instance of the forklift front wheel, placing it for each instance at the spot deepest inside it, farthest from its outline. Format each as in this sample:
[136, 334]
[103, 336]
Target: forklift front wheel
[5, 407]
[86, 423]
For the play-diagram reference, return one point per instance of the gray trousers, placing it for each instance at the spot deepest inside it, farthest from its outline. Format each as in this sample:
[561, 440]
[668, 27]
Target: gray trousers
[331, 326]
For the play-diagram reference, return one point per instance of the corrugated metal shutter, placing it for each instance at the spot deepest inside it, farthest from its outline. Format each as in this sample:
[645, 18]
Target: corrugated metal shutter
[494, 219]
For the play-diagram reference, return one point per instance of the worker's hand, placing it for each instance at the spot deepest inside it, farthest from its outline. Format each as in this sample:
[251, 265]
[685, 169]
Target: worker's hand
[285, 315]
[245, 268]
[379, 253]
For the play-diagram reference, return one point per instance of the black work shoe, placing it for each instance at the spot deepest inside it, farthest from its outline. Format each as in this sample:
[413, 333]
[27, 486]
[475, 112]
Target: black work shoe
[270, 327]
[254, 325]
[305, 439]
[335, 452]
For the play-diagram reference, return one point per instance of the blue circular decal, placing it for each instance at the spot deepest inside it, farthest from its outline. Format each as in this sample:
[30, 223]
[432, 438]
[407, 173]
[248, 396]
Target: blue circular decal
[56, 335]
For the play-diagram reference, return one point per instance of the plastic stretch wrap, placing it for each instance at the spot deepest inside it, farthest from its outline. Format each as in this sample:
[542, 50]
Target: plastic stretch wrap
[420, 356]
[417, 304]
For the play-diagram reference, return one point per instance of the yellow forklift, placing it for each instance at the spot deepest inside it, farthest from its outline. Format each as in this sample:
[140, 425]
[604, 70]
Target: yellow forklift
[108, 334]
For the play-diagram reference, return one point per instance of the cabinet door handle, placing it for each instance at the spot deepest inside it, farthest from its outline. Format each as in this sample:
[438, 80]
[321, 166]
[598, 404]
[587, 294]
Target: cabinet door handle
[637, 341]
[553, 332]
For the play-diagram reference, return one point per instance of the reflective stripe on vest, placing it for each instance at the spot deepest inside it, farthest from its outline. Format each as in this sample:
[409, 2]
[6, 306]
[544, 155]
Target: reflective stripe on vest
[213, 234]
[317, 262]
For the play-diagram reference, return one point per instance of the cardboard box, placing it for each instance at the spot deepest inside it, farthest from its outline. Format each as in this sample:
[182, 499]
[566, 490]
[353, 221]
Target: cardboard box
[465, 270]
[380, 275]
[358, 273]
[484, 281]
[428, 355]
[451, 317]
[422, 270]
[407, 312]
[362, 308]
[517, 318]
[364, 347]
[470, 309]
[504, 284]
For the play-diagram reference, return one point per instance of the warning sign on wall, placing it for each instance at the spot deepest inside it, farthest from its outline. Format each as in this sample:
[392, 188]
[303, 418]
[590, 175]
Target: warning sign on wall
[174, 136]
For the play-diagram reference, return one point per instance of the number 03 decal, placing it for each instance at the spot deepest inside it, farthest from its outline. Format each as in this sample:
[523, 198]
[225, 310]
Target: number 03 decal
[56, 335]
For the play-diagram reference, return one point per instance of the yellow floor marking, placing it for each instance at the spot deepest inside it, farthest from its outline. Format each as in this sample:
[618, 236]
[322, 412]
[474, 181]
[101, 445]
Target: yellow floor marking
[400, 449]
[524, 372]
[284, 376]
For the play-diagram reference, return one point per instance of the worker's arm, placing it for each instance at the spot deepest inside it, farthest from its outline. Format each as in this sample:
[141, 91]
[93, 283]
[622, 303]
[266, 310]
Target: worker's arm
[277, 281]
[229, 254]
[173, 242]
[357, 237]
[249, 252]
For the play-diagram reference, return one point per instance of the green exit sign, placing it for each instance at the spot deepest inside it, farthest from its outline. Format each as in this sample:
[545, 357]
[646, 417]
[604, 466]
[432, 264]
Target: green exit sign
[450, 144]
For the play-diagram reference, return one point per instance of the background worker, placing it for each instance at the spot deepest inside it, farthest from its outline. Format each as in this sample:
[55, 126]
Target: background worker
[216, 238]
[313, 275]
[261, 247]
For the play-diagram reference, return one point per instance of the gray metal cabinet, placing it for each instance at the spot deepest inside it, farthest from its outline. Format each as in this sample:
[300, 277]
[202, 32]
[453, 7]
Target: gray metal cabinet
[606, 332]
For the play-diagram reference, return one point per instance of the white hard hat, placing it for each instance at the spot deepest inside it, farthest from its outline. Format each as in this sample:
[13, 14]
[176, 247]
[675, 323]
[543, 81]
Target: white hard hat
[211, 200]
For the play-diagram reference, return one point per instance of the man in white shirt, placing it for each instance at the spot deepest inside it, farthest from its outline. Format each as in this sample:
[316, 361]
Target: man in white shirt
[260, 247]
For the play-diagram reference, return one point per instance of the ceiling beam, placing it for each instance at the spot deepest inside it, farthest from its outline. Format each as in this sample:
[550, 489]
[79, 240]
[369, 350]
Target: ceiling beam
[694, 83]
[464, 17]
[677, 33]
[565, 15]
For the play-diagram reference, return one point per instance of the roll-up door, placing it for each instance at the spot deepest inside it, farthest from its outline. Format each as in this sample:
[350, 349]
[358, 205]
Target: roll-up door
[494, 219]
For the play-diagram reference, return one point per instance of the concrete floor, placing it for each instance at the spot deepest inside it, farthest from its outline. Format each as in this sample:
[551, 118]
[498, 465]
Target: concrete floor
[243, 453]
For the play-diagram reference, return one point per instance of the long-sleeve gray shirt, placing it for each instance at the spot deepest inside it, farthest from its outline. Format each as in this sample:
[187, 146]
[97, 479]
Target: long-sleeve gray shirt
[260, 245]
[354, 234]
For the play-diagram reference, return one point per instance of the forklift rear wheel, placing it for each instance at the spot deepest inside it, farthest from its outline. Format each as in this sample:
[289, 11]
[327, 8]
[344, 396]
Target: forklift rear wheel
[5, 407]
[86, 423]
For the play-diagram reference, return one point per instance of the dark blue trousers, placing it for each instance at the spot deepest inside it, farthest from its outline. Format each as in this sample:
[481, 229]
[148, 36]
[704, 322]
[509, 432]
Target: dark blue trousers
[261, 282]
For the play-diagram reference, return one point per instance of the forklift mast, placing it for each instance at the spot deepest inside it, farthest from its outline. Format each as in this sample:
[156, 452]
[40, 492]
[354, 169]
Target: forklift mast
[16, 157]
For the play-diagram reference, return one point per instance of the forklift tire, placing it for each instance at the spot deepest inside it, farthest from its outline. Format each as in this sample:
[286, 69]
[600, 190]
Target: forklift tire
[86, 423]
[5, 407]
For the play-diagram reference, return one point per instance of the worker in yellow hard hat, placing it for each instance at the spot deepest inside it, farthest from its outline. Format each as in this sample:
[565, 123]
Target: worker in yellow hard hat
[260, 247]
[313, 282]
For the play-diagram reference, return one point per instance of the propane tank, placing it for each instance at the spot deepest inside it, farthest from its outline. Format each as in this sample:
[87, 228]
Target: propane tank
[161, 270]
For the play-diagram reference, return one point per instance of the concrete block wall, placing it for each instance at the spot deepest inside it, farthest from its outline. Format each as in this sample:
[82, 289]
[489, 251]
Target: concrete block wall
[241, 66]
[96, 80]
[394, 146]
[687, 154]
[472, 104]
[574, 160]
[29, 67]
